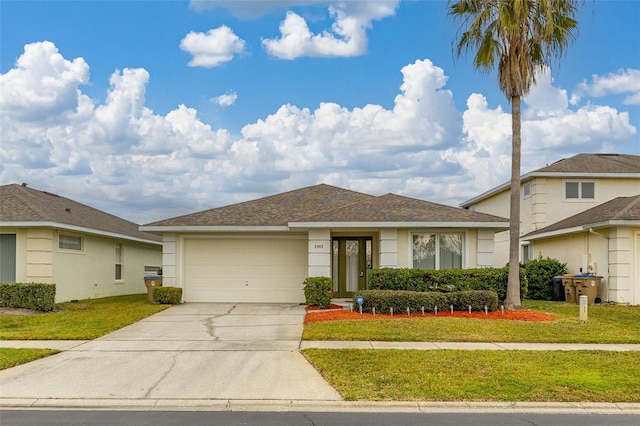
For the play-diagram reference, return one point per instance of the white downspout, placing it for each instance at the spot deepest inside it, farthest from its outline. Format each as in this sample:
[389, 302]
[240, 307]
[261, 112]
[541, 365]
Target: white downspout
[608, 261]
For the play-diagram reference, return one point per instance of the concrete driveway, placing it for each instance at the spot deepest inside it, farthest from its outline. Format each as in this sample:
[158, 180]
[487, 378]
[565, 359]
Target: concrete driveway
[192, 351]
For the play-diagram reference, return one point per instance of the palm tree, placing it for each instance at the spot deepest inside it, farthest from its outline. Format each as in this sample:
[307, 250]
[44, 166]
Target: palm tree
[521, 37]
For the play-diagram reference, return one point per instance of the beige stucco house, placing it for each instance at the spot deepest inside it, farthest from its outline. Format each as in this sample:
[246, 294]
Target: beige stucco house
[607, 239]
[87, 253]
[262, 250]
[565, 191]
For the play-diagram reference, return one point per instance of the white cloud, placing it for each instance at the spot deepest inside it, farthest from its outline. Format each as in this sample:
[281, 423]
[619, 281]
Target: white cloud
[544, 98]
[212, 49]
[226, 99]
[42, 83]
[347, 36]
[626, 81]
[120, 156]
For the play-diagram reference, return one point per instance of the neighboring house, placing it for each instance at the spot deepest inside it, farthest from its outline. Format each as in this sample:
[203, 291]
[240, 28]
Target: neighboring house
[565, 190]
[262, 250]
[87, 253]
[606, 238]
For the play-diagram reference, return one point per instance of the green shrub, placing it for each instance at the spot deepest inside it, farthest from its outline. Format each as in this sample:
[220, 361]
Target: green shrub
[461, 300]
[317, 291]
[539, 274]
[400, 300]
[167, 295]
[446, 280]
[38, 296]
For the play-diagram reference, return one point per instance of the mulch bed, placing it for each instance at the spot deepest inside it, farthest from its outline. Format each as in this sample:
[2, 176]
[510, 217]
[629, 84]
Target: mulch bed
[315, 315]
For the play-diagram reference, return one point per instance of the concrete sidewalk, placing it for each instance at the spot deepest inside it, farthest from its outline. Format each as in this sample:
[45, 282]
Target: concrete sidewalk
[71, 345]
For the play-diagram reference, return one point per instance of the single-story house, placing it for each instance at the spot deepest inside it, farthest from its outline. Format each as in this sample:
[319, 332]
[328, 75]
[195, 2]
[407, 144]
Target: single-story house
[603, 240]
[262, 250]
[86, 252]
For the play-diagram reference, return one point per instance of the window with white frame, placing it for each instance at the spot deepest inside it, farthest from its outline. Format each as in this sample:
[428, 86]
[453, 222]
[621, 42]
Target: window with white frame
[526, 190]
[69, 242]
[579, 190]
[118, 261]
[438, 250]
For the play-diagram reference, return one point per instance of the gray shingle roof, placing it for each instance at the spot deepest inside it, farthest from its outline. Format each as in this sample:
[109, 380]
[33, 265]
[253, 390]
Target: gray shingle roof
[275, 210]
[397, 208]
[621, 209]
[595, 163]
[19, 203]
[325, 203]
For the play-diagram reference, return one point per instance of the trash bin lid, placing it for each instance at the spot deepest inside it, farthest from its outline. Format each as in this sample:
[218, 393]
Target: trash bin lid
[586, 276]
[152, 277]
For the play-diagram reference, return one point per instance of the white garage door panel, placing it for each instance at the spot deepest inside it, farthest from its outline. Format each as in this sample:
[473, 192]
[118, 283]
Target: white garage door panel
[245, 270]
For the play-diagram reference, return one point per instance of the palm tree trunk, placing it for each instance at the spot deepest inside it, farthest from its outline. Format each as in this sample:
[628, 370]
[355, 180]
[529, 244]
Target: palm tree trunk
[513, 287]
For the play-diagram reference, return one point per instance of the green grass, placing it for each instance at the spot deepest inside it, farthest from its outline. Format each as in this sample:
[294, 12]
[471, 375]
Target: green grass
[455, 375]
[606, 324]
[11, 357]
[83, 320]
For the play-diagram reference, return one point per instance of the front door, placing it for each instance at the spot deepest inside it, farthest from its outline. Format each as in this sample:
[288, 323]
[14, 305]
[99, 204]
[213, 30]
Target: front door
[351, 263]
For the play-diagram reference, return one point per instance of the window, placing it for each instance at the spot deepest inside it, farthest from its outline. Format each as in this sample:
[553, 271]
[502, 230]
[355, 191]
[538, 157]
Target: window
[152, 270]
[69, 242]
[526, 190]
[580, 190]
[118, 261]
[527, 253]
[437, 251]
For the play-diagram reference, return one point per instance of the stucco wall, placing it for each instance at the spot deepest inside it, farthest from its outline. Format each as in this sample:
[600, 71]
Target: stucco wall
[547, 203]
[616, 258]
[89, 273]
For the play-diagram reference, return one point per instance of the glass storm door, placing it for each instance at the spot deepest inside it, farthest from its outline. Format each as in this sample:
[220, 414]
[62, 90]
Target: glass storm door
[351, 262]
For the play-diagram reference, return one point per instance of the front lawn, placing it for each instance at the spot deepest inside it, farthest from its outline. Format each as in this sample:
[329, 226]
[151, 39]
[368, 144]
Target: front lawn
[83, 320]
[606, 324]
[10, 357]
[453, 375]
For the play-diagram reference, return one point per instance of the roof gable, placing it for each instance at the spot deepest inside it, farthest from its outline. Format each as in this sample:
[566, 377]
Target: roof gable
[20, 204]
[324, 203]
[274, 210]
[619, 210]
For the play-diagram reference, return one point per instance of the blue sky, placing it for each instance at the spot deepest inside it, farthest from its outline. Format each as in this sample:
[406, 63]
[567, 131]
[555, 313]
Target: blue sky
[152, 109]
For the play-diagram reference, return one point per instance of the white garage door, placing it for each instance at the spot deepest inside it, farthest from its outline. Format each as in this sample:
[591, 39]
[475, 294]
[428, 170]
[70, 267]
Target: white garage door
[245, 270]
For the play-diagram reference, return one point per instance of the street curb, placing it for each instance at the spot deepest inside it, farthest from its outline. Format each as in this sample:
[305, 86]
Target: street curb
[321, 406]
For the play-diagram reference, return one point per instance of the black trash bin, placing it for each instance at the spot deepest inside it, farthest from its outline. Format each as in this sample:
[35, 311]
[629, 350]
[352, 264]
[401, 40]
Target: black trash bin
[557, 293]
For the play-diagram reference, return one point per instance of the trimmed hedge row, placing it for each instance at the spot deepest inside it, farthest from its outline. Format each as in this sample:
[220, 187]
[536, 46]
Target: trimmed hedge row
[167, 295]
[37, 296]
[446, 280]
[400, 300]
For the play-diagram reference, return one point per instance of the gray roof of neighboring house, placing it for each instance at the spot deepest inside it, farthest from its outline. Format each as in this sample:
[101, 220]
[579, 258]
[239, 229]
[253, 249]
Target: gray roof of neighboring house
[20, 204]
[619, 211]
[578, 166]
[324, 203]
[595, 163]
